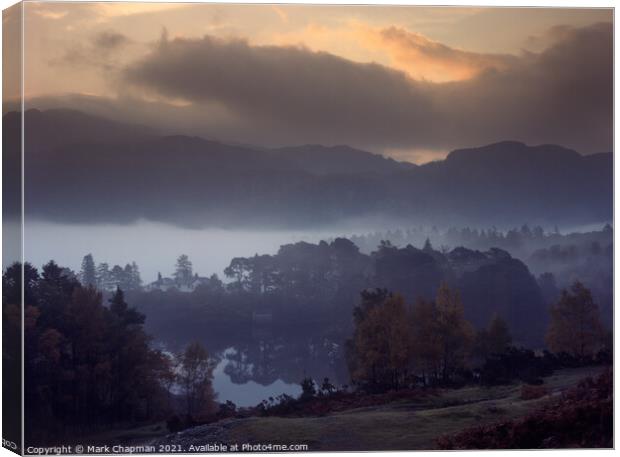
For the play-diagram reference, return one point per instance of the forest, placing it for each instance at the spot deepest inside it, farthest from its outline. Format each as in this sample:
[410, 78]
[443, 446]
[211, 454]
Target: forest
[403, 319]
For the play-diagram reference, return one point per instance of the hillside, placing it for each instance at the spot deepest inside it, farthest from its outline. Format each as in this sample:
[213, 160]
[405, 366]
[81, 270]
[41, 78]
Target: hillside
[126, 172]
[405, 425]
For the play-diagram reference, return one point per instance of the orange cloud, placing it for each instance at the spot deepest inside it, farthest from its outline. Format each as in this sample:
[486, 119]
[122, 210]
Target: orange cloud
[413, 53]
[114, 9]
[422, 58]
[281, 13]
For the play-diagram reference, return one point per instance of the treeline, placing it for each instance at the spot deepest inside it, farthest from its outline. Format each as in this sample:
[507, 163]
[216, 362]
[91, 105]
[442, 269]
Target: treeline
[105, 278]
[586, 255]
[88, 364]
[324, 279]
[518, 240]
[431, 342]
[317, 285]
[128, 277]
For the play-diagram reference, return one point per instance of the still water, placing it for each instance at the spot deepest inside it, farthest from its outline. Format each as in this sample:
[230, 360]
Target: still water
[249, 393]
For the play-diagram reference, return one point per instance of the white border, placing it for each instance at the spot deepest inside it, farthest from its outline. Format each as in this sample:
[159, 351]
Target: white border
[490, 3]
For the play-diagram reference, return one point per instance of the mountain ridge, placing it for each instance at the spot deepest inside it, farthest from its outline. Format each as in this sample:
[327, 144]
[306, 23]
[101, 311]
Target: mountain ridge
[131, 172]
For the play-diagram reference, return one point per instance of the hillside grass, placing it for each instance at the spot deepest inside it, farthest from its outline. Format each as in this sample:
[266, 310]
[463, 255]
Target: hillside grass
[403, 425]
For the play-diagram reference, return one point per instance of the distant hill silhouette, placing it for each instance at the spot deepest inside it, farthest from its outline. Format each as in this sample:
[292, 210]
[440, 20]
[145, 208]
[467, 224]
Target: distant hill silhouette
[343, 159]
[81, 168]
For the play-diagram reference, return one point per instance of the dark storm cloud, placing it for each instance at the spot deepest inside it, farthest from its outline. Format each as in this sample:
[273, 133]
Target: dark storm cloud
[561, 95]
[286, 86]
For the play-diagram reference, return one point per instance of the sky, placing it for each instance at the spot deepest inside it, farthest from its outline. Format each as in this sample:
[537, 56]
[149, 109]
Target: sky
[409, 82]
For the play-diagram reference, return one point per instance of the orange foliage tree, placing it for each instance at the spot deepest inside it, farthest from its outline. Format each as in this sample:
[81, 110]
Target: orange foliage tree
[575, 326]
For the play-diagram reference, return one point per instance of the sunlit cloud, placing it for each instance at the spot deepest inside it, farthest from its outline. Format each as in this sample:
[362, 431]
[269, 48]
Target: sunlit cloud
[51, 14]
[283, 15]
[423, 58]
[50, 11]
[318, 96]
[115, 9]
[411, 80]
[415, 54]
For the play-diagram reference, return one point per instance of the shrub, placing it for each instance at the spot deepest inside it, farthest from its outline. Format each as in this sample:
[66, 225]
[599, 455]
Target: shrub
[174, 424]
[308, 390]
[581, 418]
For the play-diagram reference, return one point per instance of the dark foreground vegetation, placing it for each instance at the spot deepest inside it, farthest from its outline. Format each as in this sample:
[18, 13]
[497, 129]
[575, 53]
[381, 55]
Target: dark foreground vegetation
[582, 417]
[90, 366]
[399, 420]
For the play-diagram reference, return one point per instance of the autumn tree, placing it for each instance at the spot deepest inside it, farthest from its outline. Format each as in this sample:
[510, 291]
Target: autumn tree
[495, 339]
[456, 335]
[575, 326]
[425, 338]
[85, 364]
[441, 338]
[195, 375]
[380, 346]
[14, 277]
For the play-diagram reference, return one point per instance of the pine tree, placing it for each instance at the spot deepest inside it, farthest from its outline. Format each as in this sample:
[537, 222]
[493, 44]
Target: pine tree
[117, 275]
[104, 280]
[120, 308]
[136, 280]
[183, 273]
[88, 274]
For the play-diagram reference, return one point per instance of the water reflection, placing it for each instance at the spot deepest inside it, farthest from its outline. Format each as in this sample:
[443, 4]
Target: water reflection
[232, 381]
[249, 373]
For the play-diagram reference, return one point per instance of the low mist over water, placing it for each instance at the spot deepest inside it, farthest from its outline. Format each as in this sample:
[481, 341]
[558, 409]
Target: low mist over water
[154, 247]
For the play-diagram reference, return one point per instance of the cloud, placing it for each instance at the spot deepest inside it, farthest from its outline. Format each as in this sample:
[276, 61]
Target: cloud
[115, 9]
[423, 58]
[277, 95]
[283, 15]
[110, 40]
[552, 36]
[54, 15]
[100, 53]
[396, 47]
[283, 85]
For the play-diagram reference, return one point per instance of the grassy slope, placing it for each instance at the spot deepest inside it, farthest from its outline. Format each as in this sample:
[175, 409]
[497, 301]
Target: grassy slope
[402, 425]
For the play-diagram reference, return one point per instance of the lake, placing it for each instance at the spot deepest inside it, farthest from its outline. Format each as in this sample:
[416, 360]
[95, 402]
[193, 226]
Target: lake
[249, 393]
